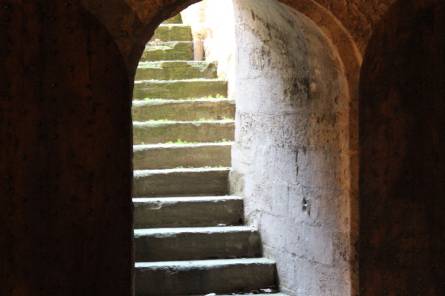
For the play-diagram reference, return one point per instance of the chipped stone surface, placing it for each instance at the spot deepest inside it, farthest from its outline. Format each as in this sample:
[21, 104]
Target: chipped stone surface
[183, 110]
[188, 211]
[191, 243]
[168, 51]
[223, 276]
[171, 70]
[153, 132]
[180, 182]
[291, 149]
[167, 156]
[180, 89]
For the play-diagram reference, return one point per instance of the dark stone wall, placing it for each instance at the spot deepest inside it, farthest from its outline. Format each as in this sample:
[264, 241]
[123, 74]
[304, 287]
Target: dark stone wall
[65, 138]
[402, 181]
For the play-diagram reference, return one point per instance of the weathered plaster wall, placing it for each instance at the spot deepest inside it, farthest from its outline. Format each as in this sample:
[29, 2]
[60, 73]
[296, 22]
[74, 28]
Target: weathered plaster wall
[402, 176]
[291, 156]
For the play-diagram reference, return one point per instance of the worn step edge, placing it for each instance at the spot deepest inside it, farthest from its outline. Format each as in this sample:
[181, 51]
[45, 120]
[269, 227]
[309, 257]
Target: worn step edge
[174, 25]
[173, 32]
[196, 243]
[165, 156]
[169, 70]
[184, 199]
[165, 232]
[160, 101]
[158, 64]
[180, 89]
[246, 294]
[180, 182]
[145, 173]
[166, 44]
[224, 276]
[202, 264]
[160, 131]
[165, 51]
[193, 80]
[209, 82]
[157, 123]
[186, 110]
[188, 211]
[137, 148]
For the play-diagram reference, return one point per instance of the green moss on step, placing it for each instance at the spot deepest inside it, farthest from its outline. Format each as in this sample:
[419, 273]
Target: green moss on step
[180, 89]
[166, 51]
[189, 132]
[171, 70]
[186, 110]
[173, 32]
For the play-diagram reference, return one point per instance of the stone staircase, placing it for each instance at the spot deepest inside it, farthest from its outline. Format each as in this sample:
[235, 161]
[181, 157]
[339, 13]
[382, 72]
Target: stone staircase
[189, 234]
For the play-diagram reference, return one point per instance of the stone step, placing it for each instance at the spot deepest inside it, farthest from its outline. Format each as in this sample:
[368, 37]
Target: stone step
[180, 89]
[166, 51]
[204, 276]
[157, 132]
[184, 110]
[255, 293]
[188, 211]
[168, 156]
[180, 182]
[189, 243]
[177, 19]
[171, 70]
[173, 32]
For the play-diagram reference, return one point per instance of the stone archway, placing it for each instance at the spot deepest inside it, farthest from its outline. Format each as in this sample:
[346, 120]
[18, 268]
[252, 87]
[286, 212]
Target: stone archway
[64, 51]
[137, 27]
[334, 114]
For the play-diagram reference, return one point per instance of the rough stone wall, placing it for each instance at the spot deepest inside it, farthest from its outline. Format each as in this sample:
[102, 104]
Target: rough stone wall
[291, 156]
[65, 138]
[131, 22]
[65, 165]
[359, 17]
[402, 176]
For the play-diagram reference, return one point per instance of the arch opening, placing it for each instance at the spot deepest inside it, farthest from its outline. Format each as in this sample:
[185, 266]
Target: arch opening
[292, 160]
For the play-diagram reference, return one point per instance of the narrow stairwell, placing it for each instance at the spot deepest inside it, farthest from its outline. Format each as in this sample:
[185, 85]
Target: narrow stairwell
[189, 233]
